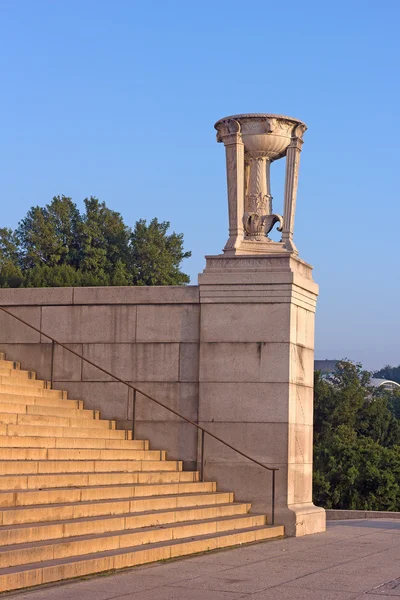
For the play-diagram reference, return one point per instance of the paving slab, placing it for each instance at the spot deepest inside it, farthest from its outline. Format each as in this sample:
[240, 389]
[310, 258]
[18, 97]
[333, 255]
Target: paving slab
[353, 560]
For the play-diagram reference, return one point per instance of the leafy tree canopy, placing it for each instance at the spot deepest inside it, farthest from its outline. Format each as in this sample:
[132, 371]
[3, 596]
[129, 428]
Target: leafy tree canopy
[57, 245]
[356, 442]
[388, 372]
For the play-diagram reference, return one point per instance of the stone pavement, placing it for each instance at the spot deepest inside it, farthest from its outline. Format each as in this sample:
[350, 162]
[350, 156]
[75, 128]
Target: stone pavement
[352, 560]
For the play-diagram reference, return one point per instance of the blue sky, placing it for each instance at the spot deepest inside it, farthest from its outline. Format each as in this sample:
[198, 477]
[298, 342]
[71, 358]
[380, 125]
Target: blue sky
[118, 100]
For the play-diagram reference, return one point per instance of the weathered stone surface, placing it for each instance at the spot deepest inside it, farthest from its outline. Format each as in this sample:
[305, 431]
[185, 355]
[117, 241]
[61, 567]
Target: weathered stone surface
[36, 296]
[168, 323]
[110, 398]
[244, 402]
[256, 379]
[137, 295]
[182, 397]
[188, 362]
[90, 324]
[142, 362]
[243, 322]
[38, 357]
[67, 366]
[240, 362]
[13, 331]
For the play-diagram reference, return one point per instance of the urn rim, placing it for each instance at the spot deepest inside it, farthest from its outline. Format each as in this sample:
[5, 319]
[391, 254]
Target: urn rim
[258, 116]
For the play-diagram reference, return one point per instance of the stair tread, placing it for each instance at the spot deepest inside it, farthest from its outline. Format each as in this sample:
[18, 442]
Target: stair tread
[87, 487]
[116, 516]
[129, 549]
[152, 497]
[106, 500]
[123, 532]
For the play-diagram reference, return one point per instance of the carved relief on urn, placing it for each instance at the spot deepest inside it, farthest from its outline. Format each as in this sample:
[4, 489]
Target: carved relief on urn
[252, 143]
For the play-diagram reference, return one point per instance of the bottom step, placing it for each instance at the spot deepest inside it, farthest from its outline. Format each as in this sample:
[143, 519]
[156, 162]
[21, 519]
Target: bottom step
[15, 578]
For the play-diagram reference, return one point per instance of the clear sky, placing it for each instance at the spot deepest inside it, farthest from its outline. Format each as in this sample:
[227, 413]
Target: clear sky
[118, 99]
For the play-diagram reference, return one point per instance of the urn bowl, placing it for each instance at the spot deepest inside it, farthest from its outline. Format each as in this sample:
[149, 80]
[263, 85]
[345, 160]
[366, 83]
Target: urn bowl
[262, 134]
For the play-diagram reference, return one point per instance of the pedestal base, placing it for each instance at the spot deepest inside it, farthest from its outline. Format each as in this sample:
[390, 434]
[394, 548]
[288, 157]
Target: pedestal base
[301, 519]
[256, 373]
[255, 248]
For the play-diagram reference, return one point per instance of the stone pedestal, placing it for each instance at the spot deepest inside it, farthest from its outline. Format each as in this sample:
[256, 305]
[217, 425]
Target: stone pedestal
[256, 381]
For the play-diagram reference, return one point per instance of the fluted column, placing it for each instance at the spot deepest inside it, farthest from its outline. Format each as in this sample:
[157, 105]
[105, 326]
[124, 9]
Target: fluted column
[234, 149]
[258, 199]
[291, 183]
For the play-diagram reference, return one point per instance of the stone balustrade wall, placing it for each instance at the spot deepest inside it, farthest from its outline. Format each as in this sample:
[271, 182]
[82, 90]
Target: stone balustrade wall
[148, 336]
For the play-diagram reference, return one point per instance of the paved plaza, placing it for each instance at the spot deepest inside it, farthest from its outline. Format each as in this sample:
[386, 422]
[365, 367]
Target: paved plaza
[352, 560]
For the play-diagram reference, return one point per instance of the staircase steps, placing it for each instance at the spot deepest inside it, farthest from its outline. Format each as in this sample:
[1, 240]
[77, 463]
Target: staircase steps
[78, 496]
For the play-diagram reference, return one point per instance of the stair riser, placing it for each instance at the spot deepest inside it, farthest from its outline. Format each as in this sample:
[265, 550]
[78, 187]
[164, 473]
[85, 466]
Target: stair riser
[9, 364]
[48, 421]
[96, 444]
[19, 382]
[31, 391]
[101, 525]
[12, 558]
[35, 482]
[73, 455]
[129, 559]
[39, 400]
[67, 432]
[33, 467]
[48, 411]
[17, 373]
[31, 498]
[64, 512]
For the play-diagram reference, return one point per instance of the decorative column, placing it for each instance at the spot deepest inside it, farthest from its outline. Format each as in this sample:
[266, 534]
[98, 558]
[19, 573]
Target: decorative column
[234, 149]
[256, 359]
[252, 143]
[258, 199]
[291, 183]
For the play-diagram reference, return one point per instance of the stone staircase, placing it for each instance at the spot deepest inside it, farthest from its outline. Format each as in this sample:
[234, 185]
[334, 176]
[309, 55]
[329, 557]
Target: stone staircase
[78, 496]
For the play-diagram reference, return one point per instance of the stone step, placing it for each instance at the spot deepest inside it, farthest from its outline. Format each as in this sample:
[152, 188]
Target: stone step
[52, 411]
[17, 373]
[79, 454]
[72, 443]
[6, 388]
[81, 479]
[18, 382]
[49, 421]
[22, 554]
[13, 578]
[20, 468]
[100, 486]
[9, 364]
[66, 432]
[39, 400]
[22, 515]
[66, 528]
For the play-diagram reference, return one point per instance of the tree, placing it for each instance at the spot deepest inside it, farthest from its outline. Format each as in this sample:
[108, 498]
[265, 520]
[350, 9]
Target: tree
[104, 241]
[10, 272]
[155, 257]
[56, 246]
[356, 443]
[49, 235]
[388, 372]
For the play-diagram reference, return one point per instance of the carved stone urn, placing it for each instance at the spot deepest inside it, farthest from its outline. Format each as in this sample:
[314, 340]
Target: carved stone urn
[252, 142]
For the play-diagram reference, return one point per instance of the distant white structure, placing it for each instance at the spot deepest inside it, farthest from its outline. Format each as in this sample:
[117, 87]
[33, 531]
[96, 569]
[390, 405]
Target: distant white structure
[385, 384]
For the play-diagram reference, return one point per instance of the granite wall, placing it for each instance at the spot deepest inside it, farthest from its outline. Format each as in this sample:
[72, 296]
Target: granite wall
[146, 336]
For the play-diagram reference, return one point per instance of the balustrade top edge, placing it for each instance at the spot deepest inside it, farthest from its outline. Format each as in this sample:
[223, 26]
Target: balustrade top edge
[99, 295]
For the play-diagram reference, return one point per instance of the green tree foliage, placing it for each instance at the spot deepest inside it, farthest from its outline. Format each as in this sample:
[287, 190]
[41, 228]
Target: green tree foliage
[10, 272]
[388, 372]
[155, 256]
[356, 443]
[57, 246]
